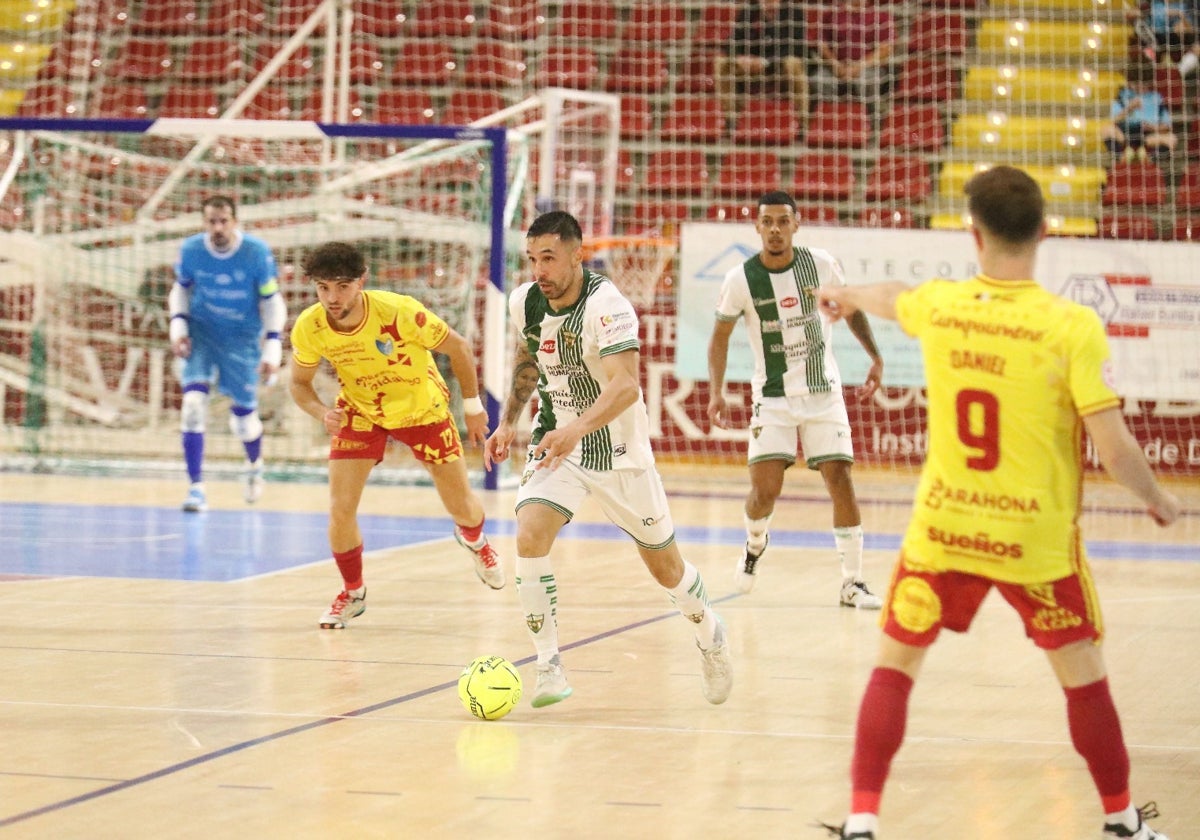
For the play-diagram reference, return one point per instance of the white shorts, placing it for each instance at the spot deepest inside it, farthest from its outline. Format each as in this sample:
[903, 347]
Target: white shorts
[633, 500]
[818, 420]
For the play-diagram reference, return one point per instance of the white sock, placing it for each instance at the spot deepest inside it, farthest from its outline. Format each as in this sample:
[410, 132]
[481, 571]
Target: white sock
[538, 593]
[756, 532]
[849, 544]
[861, 824]
[690, 598]
[1188, 63]
[1129, 817]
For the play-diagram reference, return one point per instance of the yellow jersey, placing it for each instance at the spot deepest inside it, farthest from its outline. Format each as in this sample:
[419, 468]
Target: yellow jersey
[1010, 370]
[384, 365]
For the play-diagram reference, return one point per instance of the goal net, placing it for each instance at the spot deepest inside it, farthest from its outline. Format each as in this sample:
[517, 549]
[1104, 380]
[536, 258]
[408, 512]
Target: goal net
[98, 214]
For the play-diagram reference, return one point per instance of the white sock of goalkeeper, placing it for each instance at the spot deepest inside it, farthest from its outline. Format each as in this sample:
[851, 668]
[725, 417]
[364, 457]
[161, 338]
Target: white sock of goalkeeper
[849, 544]
[538, 592]
[691, 599]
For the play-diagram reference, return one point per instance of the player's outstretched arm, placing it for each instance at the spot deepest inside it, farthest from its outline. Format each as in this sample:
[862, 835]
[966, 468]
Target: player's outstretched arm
[878, 299]
[1124, 460]
[524, 382]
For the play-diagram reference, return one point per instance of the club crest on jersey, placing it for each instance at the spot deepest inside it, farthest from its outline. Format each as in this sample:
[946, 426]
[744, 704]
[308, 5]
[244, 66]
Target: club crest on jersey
[568, 338]
[385, 347]
[547, 346]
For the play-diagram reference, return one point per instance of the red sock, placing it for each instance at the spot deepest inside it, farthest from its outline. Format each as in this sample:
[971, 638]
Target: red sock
[349, 563]
[472, 535]
[880, 732]
[1096, 734]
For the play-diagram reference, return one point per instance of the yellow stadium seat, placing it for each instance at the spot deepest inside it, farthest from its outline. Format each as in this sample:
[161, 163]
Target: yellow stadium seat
[1010, 83]
[1056, 225]
[21, 61]
[1059, 183]
[1054, 39]
[997, 131]
[10, 101]
[1011, 8]
[27, 16]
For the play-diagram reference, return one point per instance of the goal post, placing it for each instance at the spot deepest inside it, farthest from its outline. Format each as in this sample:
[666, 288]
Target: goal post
[85, 372]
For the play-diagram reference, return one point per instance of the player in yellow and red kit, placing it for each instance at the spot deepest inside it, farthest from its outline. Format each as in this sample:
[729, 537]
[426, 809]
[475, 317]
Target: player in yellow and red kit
[1015, 374]
[381, 346]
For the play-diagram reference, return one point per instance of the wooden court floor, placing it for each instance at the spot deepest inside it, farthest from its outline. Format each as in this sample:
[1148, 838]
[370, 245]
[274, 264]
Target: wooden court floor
[153, 698]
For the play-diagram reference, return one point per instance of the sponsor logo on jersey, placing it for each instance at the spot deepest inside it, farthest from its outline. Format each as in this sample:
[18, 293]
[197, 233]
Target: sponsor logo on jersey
[420, 319]
[915, 606]
[547, 346]
[789, 302]
[619, 450]
[979, 543]
[941, 493]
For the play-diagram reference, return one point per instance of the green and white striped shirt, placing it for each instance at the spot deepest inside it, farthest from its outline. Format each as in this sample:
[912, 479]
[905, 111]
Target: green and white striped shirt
[568, 346]
[789, 337]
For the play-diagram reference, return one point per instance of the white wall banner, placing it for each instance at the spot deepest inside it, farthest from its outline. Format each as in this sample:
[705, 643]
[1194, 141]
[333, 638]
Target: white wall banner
[1144, 291]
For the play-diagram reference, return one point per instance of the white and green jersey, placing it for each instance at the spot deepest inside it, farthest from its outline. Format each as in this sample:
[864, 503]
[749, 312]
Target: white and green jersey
[789, 337]
[568, 346]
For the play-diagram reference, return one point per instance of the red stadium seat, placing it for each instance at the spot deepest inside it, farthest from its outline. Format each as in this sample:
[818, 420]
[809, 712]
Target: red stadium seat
[656, 23]
[494, 64]
[636, 117]
[291, 15]
[745, 211]
[270, 103]
[843, 125]
[587, 20]
[1187, 194]
[298, 67]
[746, 174]
[694, 119]
[405, 106]
[311, 109]
[199, 100]
[52, 99]
[1134, 184]
[366, 64]
[899, 178]
[886, 217]
[212, 60]
[379, 18]
[770, 121]
[143, 58]
[696, 75]
[467, 105]
[122, 102]
[816, 214]
[1170, 85]
[677, 171]
[636, 69]
[916, 128]
[824, 175]
[657, 215]
[513, 20]
[443, 19]
[424, 62]
[929, 80]
[1186, 229]
[568, 67]
[233, 16]
[176, 18]
[715, 27]
[938, 32]
[1127, 226]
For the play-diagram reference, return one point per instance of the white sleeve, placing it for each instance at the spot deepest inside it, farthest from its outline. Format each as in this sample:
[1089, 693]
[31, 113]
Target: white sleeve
[273, 312]
[179, 303]
[731, 304]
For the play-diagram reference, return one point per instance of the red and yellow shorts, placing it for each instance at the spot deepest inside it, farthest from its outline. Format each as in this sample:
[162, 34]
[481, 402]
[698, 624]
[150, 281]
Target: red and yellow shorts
[436, 443]
[920, 603]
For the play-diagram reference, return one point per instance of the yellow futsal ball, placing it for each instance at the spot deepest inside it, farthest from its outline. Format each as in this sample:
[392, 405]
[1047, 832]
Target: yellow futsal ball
[489, 687]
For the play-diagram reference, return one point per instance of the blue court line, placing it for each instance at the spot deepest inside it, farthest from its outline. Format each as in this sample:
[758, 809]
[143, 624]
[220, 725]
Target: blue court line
[233, 749]
[66, 540]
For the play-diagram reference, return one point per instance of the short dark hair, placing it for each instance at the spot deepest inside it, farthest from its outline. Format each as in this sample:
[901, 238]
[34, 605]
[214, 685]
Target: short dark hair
[1007, 202]
[557, 222]
[334, 260]
[220, 201]
[777, 197]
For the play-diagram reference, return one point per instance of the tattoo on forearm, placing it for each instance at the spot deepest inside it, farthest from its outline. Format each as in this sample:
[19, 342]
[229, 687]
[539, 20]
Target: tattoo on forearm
[523, 385]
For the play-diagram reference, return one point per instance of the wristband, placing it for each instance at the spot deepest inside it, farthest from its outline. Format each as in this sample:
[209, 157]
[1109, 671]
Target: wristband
[272, 352]
[472, 405]
[178, 328]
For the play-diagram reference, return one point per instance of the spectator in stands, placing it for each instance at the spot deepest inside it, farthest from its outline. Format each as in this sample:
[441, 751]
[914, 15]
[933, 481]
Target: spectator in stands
[1166, 30]
[768, 46]
[855, 43]
[226, 318]
[1141, 123]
